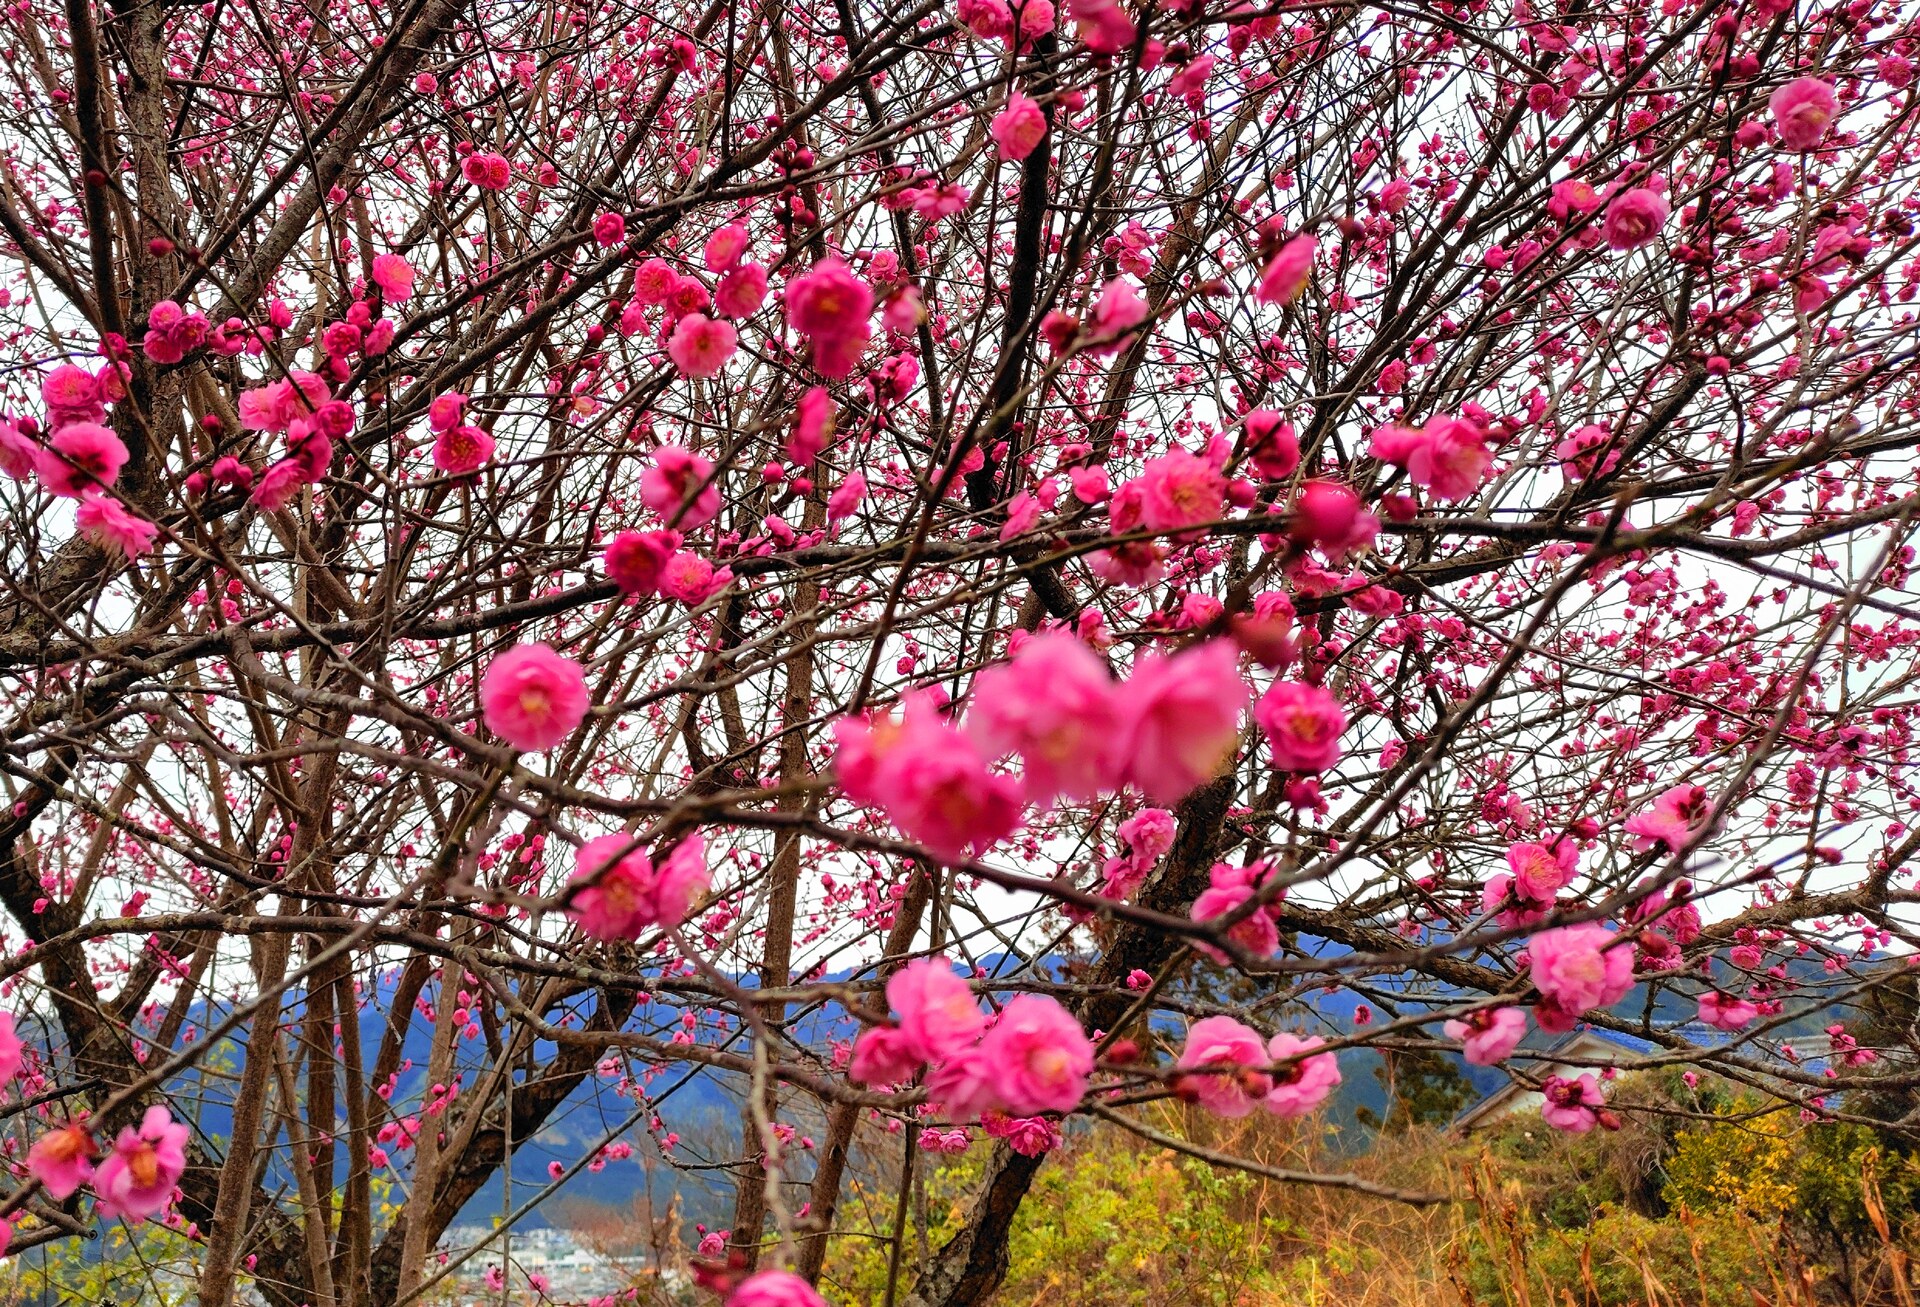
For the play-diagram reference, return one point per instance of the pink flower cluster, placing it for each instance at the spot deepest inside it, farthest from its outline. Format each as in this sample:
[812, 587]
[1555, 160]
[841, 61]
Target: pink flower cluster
[1488, 1035]
[1448, 456]
[1145, 836]
[623, 893]
[1170, 727]
[135, 1181]
[1575, 1105]
[1033, 1058]
[1536, 873]
[1228, 887]
[1577, 969]
[1229, 1070]
[831, 307]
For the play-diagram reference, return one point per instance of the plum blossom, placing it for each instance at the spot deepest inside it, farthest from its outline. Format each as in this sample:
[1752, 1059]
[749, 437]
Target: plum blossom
[624, 893]
[1581, 967]
[1179, 490]
[676, 474]
[136, 1179]
[1675, 820]
[533, 698]
[62, 1159]
[1019, 127]
[1802, 111]
[487, 170]
[462, 450]
[831, 307]
[1229, 887]
[1448, 456]
[1230, 1060]
[1575, 1106]
[1273, 449]
[1181, 719]
[634, 560]
[394, 276]
[1037, 1059]
[1489, 1035]
[775, 1289]
[1328, 516]
[930, 779]
[1303, 725]
[1286, 273]
[80, 459]
[700, 346]
[1302, 1079]
[1634, 218]
[1726, 1013]
[110, 526]
[1056, 706]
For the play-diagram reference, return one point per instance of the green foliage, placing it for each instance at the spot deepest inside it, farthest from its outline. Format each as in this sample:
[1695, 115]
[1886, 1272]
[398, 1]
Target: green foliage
[1623, 1259]
[1423, 1086]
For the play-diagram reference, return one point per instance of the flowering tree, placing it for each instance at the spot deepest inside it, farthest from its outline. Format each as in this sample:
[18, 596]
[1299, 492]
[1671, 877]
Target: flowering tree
[882, 551]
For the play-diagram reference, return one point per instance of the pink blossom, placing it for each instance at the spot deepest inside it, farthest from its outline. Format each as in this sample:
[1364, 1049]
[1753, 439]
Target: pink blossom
[654, 282]
[1115, 314]
[635, 559]
[137, 1178]
[72, 394]
[1181, 719]
[1041, 1057]
[275, 406]
[1287, 271]
[280, 484]
[1103, 26]
[676, 474]
[830, 307]
[846, 498]
[1029, 1136]
[488, 171]
[80, 459]
[883, 1056]
[775, 1289]
[725, 247]
[609, 229]
[625, 894]
[1179, 490]
[937, 1011]
[1581, 967]
[1303, 1083]
[394, 276]
[693, 580]
[1055, 705]
[741, 291]
[1273, 449]
[444, 413]
[701, 346]
[18, 454]
[1572, 1105]
[1539, 872]
[1303, 724]
[1677, 817]
[110, 526]
[1724, 1013]
[62, 1159]
[1634, 218]
[1231, 1057]
[934, 784]
[1802, 111]
[533, 698]
[1229, 887]
[1448, 455]
[1329, 517]
[10, 1049]
[462, 450]
[813, 420]
[1018, 128]
[1489, 1035]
